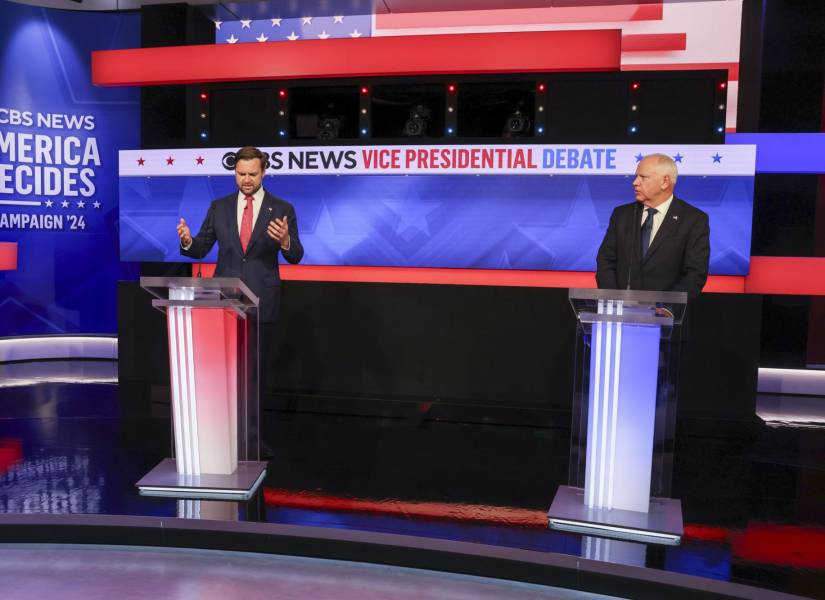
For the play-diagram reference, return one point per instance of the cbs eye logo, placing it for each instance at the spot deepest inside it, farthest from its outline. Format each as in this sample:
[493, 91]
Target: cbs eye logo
[228, 161]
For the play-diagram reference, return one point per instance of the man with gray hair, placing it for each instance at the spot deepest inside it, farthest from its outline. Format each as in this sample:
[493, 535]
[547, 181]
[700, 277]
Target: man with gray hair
[658, 242]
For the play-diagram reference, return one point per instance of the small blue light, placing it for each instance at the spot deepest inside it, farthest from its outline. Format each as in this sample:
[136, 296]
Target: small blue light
[541, 130]
[364, 131]
[203, 135]
[720, 130]
[449, 130]
[282, 133]
[633, 129]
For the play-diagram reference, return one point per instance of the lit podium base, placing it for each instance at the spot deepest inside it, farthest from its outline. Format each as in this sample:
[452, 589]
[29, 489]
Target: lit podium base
[164, 480]
[662, 525]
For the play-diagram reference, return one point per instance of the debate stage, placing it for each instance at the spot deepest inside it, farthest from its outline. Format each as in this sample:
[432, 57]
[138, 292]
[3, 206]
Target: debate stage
[401, 507]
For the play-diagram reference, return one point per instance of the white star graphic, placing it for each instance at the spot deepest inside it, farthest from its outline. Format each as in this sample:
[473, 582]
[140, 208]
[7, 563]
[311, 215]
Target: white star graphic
[231, 39]
[292, 37]
[49, 203]
[245, 23]
[276, 22]
[96, 204]
[338, 19]
[81, 204]
[562, 239]
[331, 243]
[323, 35]
[412, 218]
[306, 20]
[262, 38]
[355, 33]
[65, 204]
[218, 24]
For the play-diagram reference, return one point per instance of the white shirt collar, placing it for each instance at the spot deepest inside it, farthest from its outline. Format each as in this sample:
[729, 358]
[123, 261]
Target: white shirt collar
[663, 207]
[257, 197]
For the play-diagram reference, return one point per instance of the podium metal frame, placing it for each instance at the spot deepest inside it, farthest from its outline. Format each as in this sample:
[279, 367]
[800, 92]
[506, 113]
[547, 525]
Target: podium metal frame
[623, 426]
[213, 355]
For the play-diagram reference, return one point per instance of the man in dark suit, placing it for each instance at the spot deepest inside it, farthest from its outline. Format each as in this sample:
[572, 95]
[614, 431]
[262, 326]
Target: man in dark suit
[251, 228]
[658, 242]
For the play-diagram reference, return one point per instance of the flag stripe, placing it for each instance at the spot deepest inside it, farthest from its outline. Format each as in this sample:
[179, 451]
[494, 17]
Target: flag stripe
[654, 42]
[519, 16]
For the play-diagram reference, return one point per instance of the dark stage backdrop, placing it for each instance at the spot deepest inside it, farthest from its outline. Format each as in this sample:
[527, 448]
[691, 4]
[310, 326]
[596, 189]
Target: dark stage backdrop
[468, 353]
[59, 137]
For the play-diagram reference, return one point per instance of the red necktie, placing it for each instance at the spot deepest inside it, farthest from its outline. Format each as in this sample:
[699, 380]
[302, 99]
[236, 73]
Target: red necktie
[246, 224]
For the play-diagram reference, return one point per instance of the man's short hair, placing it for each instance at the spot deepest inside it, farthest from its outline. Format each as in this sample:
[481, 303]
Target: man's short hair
[668, 165]
[250, 153]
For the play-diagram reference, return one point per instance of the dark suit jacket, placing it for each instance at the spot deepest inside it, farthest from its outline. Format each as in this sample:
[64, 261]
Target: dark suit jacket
[258, 267]
[677, 259]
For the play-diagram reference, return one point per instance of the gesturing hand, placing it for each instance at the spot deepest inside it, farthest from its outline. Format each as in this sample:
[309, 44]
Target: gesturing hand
[278, 230]
[183, 233]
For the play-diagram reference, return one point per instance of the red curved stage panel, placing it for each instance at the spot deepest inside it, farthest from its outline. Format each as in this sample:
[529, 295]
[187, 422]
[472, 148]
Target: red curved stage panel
[768, 275]
[523, 52]
[8, 256]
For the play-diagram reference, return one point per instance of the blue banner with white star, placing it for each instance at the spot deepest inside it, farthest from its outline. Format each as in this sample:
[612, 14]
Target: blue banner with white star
[59, 137]
[321, 27]
[536, 207]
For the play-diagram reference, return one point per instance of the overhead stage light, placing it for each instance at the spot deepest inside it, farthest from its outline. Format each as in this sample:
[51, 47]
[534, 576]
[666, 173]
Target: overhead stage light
[416, 125]
[328, 127]
[517, 123]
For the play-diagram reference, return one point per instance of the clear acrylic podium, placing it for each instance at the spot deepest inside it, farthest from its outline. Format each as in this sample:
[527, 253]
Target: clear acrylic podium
[213, 358]
[624, 409]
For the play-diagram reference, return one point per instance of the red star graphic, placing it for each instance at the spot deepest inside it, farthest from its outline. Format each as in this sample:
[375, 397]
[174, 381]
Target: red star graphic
[199, 160]
[140, 161]
[170, 161]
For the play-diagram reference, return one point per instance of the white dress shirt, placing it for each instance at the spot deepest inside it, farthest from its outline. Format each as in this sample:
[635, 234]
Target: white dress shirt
[257, 201]
[658, 218]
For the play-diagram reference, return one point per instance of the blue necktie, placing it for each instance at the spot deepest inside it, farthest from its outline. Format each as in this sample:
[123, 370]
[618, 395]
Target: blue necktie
[647, 229]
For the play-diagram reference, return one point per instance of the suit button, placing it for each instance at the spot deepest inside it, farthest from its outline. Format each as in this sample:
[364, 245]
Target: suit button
[244, 260]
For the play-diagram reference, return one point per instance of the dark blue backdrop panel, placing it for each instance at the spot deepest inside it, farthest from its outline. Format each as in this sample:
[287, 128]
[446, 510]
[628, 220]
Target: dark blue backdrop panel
[68, 263]
[454, 221]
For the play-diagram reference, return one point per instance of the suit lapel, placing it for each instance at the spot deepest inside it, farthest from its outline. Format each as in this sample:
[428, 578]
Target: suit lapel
[264, 216]
[232, 219]
[668, 228]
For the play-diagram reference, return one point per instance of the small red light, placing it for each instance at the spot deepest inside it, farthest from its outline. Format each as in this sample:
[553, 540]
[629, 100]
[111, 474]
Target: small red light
[365, 90]
[451, 88]
[282, 93]
[204, 96]
[634, 86]
[541, 87]
[723, 85]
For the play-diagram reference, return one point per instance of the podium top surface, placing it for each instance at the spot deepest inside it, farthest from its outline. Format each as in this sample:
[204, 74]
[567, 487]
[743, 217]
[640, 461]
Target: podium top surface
[629, 306]
[199, 288]
[639, 296]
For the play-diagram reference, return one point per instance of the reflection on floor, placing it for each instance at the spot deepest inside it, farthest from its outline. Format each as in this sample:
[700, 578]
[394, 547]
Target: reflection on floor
[752, 502]
[78, 572]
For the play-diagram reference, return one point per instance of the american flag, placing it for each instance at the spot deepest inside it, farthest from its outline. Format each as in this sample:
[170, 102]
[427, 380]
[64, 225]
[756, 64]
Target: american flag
[655, 35]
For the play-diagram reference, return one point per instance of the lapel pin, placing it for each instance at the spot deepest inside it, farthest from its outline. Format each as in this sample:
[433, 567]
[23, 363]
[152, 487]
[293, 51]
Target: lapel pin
[675, 217]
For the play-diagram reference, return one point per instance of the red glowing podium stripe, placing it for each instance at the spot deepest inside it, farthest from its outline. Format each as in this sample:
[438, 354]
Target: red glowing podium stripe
[522, 52]
[8, 256]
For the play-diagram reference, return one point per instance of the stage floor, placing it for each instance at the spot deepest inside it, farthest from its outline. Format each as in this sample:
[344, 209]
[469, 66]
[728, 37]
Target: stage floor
[752, 500]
